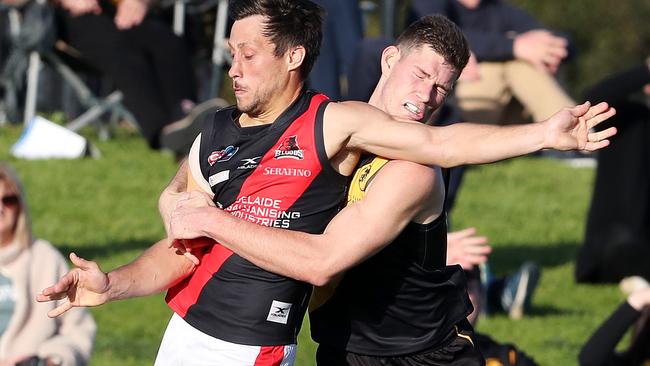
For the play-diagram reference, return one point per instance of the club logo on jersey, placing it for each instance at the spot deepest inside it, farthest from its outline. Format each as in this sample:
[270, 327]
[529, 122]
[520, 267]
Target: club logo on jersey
[363, 177]
[289, 149]
[249, 163]
[219, 156]
[279, 312]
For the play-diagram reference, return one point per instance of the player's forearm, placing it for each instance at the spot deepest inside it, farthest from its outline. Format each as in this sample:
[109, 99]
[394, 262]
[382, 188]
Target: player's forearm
[154, 271]
[469, 143]
[292, 254]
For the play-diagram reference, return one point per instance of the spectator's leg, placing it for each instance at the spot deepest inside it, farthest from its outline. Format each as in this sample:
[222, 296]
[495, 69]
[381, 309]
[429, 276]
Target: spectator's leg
[348, 33]
[113, 53]
[539, 92]
[483, 100]
[170, 62]
[324, 76]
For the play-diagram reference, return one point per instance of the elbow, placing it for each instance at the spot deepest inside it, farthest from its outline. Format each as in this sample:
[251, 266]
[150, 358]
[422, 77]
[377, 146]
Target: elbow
[444, 155]
[449, 159]
[320, 280]
[320, 274]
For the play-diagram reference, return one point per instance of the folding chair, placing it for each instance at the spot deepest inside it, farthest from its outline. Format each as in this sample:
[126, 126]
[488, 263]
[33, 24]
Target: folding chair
[35, 41]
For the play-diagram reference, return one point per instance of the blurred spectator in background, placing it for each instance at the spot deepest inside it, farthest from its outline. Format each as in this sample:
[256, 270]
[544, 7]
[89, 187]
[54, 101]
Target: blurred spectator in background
[342, 32]
[517, 58]
[617, 243]
[470, 251]
[510, 294]
[27, 334]
[600, 349]
[139, 52]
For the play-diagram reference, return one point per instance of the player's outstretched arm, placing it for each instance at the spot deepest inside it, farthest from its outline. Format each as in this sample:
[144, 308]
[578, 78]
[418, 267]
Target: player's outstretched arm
[356, 232]
[158, 268]
[355, 125]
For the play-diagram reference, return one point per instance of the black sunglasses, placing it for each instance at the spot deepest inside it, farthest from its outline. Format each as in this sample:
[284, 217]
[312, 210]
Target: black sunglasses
[10, 200]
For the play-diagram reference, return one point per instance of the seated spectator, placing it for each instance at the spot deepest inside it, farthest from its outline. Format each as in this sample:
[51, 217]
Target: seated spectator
[471, 252]
[517, 58]
[617, 238]
[510, 294]
[600, 349]
[27, 335]
[139, 52]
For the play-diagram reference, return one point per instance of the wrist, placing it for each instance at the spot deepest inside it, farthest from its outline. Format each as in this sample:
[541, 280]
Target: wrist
[213, 218]
[541, 137]
[113, 290]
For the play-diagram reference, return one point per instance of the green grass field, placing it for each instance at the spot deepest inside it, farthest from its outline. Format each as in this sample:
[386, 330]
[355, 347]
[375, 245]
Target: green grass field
[530, 208]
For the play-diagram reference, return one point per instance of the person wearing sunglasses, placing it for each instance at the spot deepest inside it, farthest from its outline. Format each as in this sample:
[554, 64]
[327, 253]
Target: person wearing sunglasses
[27, 264]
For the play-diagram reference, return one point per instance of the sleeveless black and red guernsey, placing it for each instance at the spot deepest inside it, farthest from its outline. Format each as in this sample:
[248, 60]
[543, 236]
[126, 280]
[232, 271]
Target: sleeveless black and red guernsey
[275, 175]
[401, 301]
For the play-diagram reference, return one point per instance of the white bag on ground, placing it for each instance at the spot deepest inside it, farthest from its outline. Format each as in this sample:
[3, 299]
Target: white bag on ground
[43, 139]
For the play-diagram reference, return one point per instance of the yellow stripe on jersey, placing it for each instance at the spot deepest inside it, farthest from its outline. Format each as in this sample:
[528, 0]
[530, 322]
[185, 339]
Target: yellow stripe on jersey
[362, 178]
[356, 192]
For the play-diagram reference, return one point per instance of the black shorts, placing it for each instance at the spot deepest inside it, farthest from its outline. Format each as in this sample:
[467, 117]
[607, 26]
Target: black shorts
[459, 348]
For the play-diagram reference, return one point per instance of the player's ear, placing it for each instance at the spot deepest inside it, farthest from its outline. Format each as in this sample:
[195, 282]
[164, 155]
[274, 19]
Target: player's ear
[295, 57]
[389, 57]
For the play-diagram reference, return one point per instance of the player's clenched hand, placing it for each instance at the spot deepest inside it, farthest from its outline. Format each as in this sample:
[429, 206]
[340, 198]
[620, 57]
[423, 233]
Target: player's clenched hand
[570, 129]
[190, 217]
[85, 285]
[187, 221]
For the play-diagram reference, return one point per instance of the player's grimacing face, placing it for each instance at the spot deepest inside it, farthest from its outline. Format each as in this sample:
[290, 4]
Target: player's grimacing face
[418, 84]
[256, 72]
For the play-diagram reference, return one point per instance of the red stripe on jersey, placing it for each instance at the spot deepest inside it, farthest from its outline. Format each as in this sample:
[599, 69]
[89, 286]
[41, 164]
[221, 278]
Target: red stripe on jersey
[183, 295]
[284, 173]
[270, 356]
[271, 189]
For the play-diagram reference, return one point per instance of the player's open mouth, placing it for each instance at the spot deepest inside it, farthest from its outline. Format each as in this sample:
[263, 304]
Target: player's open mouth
[412, 108]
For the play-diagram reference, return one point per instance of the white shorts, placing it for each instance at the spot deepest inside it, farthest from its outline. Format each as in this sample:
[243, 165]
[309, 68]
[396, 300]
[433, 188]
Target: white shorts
[182, 344]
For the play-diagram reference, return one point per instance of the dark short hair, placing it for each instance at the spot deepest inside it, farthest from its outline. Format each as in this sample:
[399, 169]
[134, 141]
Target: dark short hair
[289, 23]
[439, 33]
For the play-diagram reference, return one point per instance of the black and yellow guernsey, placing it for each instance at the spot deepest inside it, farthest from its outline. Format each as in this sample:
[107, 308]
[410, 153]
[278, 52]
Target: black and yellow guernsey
[403, 300]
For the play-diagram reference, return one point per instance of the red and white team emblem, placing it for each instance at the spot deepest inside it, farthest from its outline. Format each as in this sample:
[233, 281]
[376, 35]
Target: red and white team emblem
[289, 148]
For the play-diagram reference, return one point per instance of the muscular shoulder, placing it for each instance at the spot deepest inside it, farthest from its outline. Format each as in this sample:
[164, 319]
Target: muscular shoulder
[422, 186]
[404, 176]
[343, 119]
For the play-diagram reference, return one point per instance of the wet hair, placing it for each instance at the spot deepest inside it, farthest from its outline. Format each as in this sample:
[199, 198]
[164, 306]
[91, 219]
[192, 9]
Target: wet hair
[23, 228]
[289, 23]
[439, 33]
